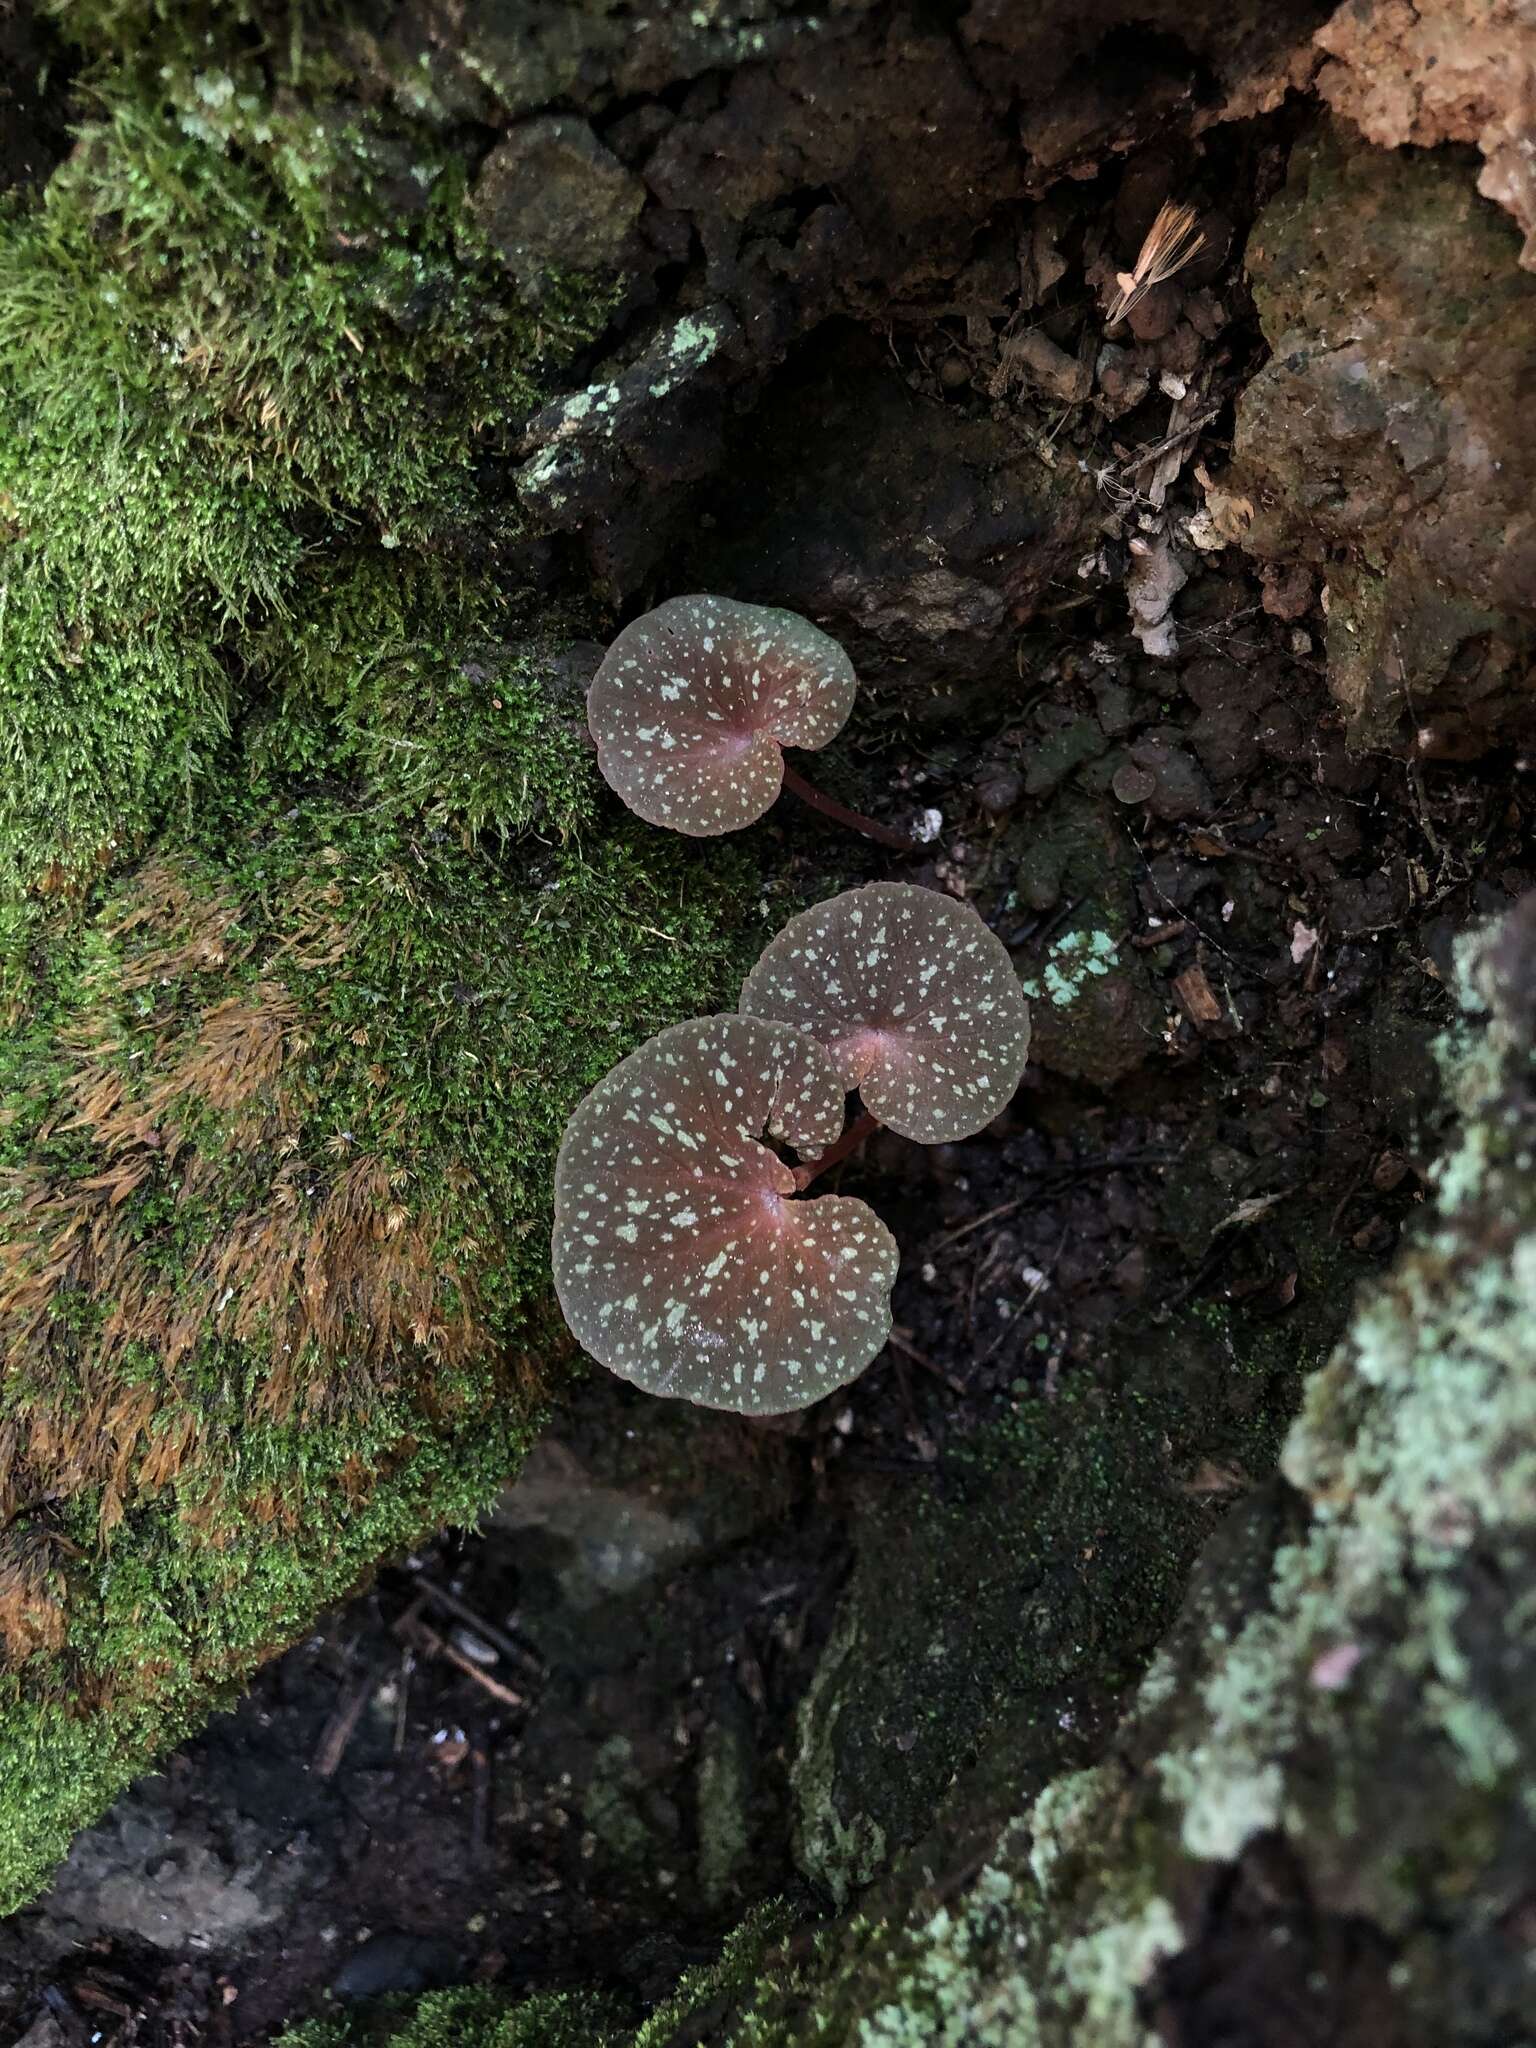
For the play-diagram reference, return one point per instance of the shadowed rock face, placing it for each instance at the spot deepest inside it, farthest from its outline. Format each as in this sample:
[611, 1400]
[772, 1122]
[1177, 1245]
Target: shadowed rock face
[920, 537]
[1442, 71]
[1393, 426]
[817, 165]
[551, 197]
[1327, 1756]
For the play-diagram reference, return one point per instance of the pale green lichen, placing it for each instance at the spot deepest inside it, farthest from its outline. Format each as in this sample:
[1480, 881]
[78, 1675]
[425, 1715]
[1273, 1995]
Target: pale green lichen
[591, 418]
[724, 1815]
[1226, 1783]
[840, 1852]
[1063, 1819]
[1074, 959]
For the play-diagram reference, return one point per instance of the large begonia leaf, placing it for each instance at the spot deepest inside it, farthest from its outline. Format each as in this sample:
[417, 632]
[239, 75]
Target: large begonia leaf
[684, 1260]
[914, 998]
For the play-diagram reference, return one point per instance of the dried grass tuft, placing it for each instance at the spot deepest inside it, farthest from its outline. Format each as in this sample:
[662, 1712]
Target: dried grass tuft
[1173, 240]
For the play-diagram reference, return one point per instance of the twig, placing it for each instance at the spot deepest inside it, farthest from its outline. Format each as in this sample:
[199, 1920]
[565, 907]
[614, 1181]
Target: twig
[480, 1804]
[976, 1222]
[910, 1350]
[428, 1640]
[341, 1727]
[1182, 433]
[403, 1698]
[1144, 941]
[444, 1597]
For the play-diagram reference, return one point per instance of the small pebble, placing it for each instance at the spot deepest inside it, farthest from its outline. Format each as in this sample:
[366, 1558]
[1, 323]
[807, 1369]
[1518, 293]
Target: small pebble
[474, 1647]
[999, 790]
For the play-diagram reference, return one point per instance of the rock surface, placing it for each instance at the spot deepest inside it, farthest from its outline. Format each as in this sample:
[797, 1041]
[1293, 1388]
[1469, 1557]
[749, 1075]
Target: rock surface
[551, 197]
[1391, 431]
[1443, 71]
[919, 538]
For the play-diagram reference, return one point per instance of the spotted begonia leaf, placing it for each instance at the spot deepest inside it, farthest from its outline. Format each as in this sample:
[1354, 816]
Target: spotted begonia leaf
[916, 1001]
[683, 1258]
[693, 702]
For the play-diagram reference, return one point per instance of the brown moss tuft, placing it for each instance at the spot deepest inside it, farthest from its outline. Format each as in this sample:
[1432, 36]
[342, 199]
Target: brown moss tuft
[187, 931]
[197, 1218]
[31, 1593]
[353, 1280]
[335, 1290]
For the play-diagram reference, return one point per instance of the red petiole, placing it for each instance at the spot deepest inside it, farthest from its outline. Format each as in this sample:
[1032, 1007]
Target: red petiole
[829, 807]
[861, 1127]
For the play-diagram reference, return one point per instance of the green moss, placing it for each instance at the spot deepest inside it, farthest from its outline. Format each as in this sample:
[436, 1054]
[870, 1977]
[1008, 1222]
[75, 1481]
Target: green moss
[164, 1627]
[106, 731]
[1038, 1574]
[483, 2017]
[240, 322]
[224, 1455]
[478, 2017]
[280, 1104]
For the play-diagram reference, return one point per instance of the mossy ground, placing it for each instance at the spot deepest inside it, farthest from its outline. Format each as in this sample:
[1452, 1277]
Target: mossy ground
[313, 926]
[246, 318]
[482, 2017]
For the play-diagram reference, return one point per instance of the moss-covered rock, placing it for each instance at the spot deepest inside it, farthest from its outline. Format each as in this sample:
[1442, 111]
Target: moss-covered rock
[312, 925]
[247, 316]
[278, 1129]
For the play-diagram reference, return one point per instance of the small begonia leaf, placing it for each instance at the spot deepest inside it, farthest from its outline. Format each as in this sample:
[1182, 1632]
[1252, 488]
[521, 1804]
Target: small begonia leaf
[693, 702]
[683, 1259]
[916, 1001]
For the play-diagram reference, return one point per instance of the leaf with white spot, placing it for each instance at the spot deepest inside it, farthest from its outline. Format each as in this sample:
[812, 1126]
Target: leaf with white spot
[684, 1260]
[694, 701]
[914, 998]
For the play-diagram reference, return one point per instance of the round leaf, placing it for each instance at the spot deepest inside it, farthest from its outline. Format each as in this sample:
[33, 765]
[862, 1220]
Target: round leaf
[916, 1001]
[683, 1258]
[693, 702]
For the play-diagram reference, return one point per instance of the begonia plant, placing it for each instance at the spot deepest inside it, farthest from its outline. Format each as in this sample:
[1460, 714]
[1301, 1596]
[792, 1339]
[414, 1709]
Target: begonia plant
[694, 703]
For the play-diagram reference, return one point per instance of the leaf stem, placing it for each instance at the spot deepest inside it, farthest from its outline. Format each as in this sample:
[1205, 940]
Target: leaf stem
[808, 793]
[861, 1127]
